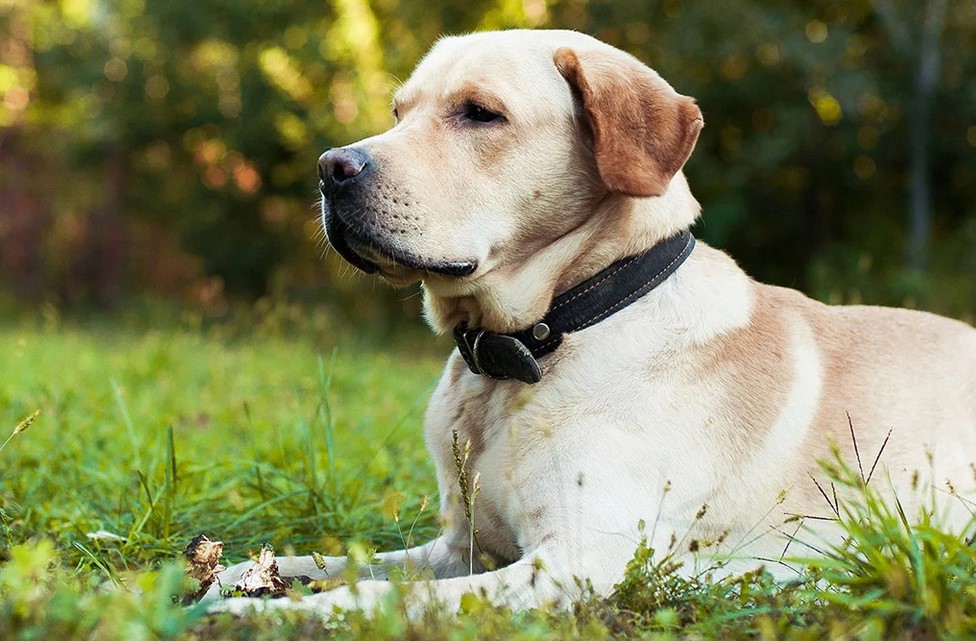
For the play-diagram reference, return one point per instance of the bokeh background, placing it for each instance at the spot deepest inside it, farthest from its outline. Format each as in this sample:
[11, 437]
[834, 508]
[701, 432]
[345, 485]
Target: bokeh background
[165, 150]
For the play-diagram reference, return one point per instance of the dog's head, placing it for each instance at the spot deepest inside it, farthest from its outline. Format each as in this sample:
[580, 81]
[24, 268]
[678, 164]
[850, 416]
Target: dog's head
[505, 145]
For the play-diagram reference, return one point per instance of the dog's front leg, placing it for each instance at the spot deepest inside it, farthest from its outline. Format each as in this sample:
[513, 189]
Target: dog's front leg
[527, 583]
[442, 557]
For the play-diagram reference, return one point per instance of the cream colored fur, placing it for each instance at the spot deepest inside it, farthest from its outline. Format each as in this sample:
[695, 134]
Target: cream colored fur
[724, 390]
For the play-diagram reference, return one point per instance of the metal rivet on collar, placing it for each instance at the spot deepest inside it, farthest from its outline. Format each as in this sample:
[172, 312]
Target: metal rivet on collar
[540, 332]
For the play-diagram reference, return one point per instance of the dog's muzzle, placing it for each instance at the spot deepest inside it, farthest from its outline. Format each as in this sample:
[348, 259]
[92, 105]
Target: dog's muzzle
[344, 176]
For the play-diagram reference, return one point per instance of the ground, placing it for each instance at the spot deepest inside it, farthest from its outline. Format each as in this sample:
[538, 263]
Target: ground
[151, 433]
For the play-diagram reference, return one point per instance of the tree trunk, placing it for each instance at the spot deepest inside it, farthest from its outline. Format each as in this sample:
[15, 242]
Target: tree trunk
[920, 192]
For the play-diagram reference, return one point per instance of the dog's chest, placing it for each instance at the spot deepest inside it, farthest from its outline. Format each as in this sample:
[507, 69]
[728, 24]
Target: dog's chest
[474, 427]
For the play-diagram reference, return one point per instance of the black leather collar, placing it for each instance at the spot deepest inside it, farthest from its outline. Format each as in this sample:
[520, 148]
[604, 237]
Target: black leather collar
[515, 355]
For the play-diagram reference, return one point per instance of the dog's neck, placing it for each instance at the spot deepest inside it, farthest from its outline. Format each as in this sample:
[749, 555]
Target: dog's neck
[513, 297]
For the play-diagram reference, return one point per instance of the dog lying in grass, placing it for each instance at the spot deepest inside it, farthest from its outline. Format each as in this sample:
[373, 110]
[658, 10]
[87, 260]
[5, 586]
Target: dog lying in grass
[614, 380]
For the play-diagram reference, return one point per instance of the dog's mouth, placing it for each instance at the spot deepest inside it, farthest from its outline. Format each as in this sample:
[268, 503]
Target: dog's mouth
[369, 253]
[337, 232]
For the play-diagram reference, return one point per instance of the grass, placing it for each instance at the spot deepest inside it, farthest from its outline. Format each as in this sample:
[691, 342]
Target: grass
[147, 437]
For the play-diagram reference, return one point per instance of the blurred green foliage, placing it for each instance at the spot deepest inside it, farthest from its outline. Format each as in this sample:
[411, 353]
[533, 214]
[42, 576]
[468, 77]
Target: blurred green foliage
[169, 147]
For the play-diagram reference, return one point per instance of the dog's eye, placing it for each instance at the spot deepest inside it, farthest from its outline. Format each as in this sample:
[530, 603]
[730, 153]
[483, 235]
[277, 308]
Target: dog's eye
[396, 114]
[477, 113]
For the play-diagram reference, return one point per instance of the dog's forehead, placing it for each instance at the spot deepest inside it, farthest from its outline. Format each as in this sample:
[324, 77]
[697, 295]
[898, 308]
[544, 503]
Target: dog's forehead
[515, 64]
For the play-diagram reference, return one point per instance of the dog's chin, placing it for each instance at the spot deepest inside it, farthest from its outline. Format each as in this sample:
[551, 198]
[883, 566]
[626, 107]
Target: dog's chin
[399, 275]
[398, 265]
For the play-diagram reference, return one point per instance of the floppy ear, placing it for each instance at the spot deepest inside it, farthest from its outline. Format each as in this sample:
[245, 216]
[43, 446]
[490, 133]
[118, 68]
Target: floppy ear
[643, 129]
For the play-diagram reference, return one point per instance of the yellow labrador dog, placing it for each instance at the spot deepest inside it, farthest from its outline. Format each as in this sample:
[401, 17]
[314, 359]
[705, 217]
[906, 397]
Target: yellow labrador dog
[612, 376]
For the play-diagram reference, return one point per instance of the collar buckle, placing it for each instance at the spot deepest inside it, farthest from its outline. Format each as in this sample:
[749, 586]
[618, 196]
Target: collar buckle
[497, 356]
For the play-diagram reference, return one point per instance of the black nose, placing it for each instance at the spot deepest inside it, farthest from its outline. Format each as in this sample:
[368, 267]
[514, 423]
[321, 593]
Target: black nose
[337, 166]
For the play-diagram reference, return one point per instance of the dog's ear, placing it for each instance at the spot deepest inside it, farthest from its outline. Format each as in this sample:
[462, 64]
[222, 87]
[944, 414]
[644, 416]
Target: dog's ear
[643, 130]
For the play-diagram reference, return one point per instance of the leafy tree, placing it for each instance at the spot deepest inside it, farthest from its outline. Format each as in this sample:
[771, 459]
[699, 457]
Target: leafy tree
[171, 145]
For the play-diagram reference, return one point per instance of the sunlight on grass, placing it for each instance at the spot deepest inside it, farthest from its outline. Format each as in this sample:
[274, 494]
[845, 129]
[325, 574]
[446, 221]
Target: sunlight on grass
[159, 436]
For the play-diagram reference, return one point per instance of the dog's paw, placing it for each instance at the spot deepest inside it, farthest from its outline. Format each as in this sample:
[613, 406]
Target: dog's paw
[226, 580]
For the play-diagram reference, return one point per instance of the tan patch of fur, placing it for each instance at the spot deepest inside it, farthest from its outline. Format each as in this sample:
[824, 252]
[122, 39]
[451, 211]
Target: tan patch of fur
[871, 356]
[755, 367]
[883, 369]
[470, 419]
